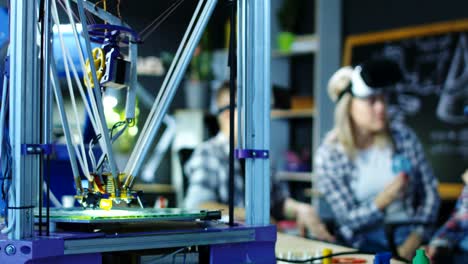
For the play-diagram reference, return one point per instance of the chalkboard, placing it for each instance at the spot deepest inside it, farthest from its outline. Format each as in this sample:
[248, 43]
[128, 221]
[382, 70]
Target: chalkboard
[434, 90]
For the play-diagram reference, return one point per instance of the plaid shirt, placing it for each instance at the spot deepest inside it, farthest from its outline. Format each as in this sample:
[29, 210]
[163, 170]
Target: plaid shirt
[455, 230]
[336, 172]
[208, 172]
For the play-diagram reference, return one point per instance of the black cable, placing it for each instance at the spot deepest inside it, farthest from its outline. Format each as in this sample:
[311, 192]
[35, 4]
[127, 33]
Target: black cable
[41, 100]
[77, 19]
[158, 18]
[6, 170]
[115, 126]
[93, 142]
[98, 166]
[356, 252]
[95, 139]
[7, 174]
[41, 11]
[321, 257]
[164, 16]
[232, 99]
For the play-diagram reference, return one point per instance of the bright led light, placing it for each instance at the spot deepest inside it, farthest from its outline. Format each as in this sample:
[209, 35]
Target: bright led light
[105, 213]
[105, 204]
[112, 116]
[133, 131]
[110, 101]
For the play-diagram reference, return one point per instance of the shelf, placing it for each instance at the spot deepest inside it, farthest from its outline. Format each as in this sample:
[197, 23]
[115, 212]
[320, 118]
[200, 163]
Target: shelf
[280, 54]
[450, 191]
[294, 176]
[303, 45]
[292, 113]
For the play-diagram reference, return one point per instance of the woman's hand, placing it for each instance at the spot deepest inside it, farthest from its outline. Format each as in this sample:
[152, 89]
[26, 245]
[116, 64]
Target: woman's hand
[408, 248]
[431, 251]
[391, 191]
[307, 219]
[465, 176]
[437, 254]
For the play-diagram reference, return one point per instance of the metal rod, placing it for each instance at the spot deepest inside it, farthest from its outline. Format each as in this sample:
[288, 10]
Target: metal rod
[131, 89]
[142, 139]
[179, 71]
[102, 14]
[97, 93]
[241, 72]
[93, 116]
[47, 95]
[3, 112]
[175, 81]
[66, 127]
[80, 150]
[257, 108]
[158, 152]
[232, 99]
[164, 142]
[42, 67]
[24, 110]
[37, 125]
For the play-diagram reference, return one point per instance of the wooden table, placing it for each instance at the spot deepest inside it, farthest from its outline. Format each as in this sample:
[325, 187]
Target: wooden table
[288, 245]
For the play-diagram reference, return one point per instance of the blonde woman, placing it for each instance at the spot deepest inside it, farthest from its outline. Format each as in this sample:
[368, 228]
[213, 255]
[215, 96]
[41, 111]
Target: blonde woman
[372, 171]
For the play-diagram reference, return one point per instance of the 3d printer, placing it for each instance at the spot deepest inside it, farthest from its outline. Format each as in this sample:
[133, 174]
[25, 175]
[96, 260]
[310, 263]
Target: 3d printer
[29, 87]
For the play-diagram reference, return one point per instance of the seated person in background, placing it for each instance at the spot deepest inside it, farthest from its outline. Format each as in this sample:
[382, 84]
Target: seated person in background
[356, 164]
[450, 243]
[208, 172]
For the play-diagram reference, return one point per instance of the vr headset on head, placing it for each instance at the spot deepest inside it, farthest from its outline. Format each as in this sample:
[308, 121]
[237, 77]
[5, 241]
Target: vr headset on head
[372, 78]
